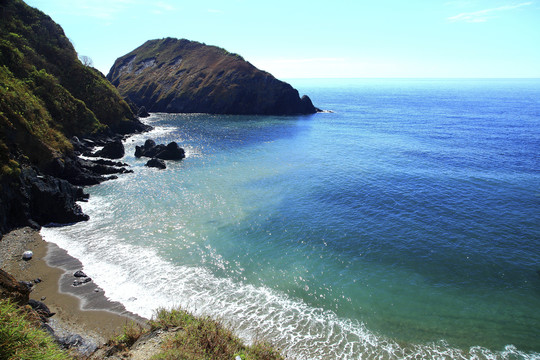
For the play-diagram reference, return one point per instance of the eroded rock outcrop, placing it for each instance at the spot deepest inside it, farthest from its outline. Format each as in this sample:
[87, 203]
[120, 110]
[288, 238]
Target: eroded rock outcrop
[182, 76]
[170, 151]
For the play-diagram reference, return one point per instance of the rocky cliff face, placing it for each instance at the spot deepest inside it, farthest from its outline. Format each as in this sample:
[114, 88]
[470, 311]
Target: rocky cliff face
[47, 96]
[171, 75]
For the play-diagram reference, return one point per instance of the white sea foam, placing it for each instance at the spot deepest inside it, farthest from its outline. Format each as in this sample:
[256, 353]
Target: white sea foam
[140, 279]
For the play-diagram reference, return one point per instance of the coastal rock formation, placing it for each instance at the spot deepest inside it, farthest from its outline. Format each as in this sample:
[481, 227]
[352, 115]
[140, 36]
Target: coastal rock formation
[182, 76]
[170, 152]
[47, 97]
[157, 163]
[112, 150]
[142, 113]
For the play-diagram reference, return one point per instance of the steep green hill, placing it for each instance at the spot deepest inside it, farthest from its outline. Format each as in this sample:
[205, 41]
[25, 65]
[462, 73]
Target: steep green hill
[171, 75]
[46, 94]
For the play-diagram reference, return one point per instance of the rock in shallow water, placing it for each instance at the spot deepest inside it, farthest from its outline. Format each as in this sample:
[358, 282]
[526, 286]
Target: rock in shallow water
[157, 163]
[112, 150]
[27, 255]
[79, 274]
[82, 282]
[170, 152]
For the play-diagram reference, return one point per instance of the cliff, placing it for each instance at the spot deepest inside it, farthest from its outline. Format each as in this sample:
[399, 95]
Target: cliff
[47, 96]
[182, 76]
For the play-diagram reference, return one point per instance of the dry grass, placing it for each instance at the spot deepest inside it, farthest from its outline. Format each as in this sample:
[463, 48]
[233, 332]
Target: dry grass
[204, 338]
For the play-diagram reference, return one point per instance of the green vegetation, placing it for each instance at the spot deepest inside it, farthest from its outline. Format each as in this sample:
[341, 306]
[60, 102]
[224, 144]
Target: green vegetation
[180, 69]
[46, 94]
[196, 338]
[21, 338]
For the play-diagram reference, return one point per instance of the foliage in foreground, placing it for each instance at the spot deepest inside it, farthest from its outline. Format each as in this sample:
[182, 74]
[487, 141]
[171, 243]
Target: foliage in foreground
[196, 338]
[21, 338]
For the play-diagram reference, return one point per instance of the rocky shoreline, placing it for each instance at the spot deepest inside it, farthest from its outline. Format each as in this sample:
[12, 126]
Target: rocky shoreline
[49, 194]
[84, 318]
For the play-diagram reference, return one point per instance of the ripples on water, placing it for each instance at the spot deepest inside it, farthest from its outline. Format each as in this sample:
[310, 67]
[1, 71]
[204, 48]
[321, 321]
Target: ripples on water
[405, 224]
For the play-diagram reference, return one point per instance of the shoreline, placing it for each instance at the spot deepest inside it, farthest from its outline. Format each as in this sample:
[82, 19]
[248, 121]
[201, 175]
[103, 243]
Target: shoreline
[83, 310]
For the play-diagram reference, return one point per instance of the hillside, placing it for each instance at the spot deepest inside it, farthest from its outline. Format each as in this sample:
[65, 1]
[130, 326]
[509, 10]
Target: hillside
[182, 76]
[47, 96]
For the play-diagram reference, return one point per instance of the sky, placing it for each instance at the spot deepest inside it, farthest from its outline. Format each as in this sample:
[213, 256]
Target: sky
[321, 39]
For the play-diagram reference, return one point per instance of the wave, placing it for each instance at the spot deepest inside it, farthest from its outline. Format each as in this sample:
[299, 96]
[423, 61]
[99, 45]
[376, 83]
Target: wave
[143, 281]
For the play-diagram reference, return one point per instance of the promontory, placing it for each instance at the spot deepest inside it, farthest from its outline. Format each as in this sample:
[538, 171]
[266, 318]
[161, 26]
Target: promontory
[182, 76]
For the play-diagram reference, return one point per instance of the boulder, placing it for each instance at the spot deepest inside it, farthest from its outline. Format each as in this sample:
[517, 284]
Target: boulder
[82, 281]
[170, 152]
[79, 273]
[142, 113]
[157, 163]
[112, 150]
[43, 310]
[27, 255]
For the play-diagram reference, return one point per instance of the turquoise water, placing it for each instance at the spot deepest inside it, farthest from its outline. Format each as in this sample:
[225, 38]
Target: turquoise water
[405, 223]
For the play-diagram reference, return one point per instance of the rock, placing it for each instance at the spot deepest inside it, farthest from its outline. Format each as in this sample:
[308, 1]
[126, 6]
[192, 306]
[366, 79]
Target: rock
[170, 152]
[142, 113]
[112, 150]
[75, 341]
[11, 288]
[82, 282]
[43, 310]
[29, 285]
[46, 199]
[157, 163]
[27, 255]
[37, 281]
[146, 150]
[182, 76]
[79, 274]
[47, 328]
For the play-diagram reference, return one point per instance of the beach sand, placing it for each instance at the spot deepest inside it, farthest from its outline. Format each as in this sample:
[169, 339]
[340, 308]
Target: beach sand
[82, 310]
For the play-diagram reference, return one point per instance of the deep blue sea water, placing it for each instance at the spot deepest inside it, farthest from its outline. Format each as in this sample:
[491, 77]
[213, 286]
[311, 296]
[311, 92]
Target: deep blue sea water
[404, 224]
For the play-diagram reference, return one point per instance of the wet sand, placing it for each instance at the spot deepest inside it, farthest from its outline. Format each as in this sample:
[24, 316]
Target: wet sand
[82, 310]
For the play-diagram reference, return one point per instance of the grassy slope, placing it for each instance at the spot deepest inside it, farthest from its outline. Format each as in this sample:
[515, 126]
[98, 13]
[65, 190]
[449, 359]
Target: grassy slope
[198, 338]
[194, 338]
[46, 93]
[21, 338]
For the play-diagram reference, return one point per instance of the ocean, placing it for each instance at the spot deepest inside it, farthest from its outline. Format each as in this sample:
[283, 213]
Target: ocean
[403, 224]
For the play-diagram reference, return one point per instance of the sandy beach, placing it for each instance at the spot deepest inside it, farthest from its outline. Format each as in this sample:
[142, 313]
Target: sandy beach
[82, 310]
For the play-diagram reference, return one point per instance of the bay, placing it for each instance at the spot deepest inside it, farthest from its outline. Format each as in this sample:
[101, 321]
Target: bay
[404, 223]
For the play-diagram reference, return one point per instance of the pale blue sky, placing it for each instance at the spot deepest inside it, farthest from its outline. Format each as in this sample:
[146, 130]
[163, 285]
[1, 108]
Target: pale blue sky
[339, 38]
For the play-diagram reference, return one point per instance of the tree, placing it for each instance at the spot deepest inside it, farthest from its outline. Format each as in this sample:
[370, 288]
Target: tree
[86, 60]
